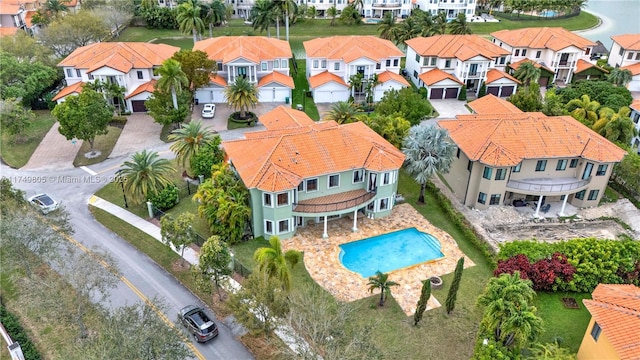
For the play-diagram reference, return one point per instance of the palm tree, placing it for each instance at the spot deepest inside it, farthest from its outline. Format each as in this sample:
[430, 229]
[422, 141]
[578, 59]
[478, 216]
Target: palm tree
[189, 20]
[144, 174]
[172, 79]
[584, 110]
[387, 27]
[615, 126]
[189, 140]
[406, 30]
[332, 12]
[241, 95]
[262, 16]
[285, 7]
[55, 7]
[370, 87]
[344, 112]
[428, 150]
[460, 26]
[381, 281]
[440, 23]
[214, 14]
[425, 21]
[274, 262]
[527, 72]
[620, 77]
[355, 83]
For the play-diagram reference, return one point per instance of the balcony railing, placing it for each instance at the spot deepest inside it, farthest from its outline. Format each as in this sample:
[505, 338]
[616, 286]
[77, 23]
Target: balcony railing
[313, 207]
[567, 64]
[387, 5]
[451, 6]
[547, 185]
[477, 74]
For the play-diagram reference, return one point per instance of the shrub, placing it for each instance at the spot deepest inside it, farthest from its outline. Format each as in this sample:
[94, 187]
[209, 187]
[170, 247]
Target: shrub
[545, 274]
[206, 157]
[463, 93]
[166, 198]
[118, 121]
[17, 333]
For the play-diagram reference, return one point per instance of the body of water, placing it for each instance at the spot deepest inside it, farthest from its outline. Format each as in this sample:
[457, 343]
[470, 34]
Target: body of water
[618, 17]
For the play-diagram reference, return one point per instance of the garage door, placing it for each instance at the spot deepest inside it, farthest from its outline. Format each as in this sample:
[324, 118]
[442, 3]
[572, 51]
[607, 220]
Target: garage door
[495, 90]
[330, 96]
[543, 81]
[274, 94]
[436, 93]
[507, 91]
[451, 93]
[138, 106]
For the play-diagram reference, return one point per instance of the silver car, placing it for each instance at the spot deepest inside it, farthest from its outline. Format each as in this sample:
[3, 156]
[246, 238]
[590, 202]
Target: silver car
[208, 111]
[43, 202]
[198, 323]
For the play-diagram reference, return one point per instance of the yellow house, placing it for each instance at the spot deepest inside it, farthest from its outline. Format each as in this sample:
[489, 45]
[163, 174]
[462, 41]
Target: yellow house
[614, 329]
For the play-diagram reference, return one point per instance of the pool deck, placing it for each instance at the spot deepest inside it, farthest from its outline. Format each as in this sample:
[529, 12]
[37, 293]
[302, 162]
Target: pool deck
[322, 257]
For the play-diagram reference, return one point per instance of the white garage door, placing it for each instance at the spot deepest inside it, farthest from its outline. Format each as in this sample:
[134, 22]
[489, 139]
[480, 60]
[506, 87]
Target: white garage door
[210, 95]
[330, 96]
[274, 95]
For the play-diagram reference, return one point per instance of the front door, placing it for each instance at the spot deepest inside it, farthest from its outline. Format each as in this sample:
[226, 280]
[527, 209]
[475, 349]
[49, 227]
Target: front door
[242, 71]
[587, 171]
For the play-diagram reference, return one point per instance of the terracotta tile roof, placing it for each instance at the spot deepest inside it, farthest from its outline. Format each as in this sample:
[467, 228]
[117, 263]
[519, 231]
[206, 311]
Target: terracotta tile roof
[463, 47]
[277, 77]
[278, 160]
[149, 86]
[6, 31]
[226, 49]
[219, 80]
[284, 117]
[616, 308]
[517, 64]
[325, 77]
[71, 89]
[391, 76]
[495, 74]
[628, 41]
[9, 8]
[634, 68]
[435, 76]
[507, 139]
[121, 56]
[350, 48]
[582, 65]
[635, 105]
[554, 38]
[491, 104]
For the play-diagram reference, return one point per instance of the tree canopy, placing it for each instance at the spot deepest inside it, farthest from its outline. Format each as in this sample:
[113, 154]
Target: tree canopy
[406, 103]
[604, 92]
[24, 79]
[161, 108]
[73, 31]
[196, 66]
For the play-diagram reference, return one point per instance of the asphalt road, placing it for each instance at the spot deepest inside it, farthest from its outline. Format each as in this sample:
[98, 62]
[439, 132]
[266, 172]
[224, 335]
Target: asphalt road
[74, 187]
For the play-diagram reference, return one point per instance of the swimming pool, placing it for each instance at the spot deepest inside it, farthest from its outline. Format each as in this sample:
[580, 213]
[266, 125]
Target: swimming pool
[372, 21]
[547, 13]
[388, 252]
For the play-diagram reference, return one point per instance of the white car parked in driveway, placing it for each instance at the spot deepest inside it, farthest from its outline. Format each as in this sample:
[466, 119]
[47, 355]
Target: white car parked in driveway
[43, 202]
[208, 111]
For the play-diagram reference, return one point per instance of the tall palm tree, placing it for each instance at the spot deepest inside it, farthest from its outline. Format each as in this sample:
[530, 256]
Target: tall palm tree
[332, 12]
[620, 77]
[273, 261]
[381, 281]
[55, 7]
[428, 150]
[584, 110]
[615, 126]
[344, 112]
[460, 26]
[144, 174]
[406, 30]
[189, 139]
[262, 16]
[387, 27]
[370, 87]
[172, 79]
[286, 8]
[440, 24]
[189, 19]
[527, 72]
[214, 14]
[425, 21]
[241, 95]
[355, 83]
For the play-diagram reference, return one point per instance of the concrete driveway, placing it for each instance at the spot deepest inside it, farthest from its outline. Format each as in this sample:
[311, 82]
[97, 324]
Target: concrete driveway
[54, 152]
[449, 108]
[140, 133]
[223, 111]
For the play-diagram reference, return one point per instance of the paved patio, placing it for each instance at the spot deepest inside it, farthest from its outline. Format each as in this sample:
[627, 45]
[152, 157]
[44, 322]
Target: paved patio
[322, 257]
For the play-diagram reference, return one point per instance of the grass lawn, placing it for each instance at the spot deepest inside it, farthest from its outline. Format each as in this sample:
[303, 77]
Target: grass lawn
[102, 143]
[302, 85]
[184, 43]
[560, 322]
[17, 153]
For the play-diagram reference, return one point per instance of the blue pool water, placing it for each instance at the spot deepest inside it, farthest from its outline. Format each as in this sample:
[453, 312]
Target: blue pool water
[372, 21]
[389, 252]
[548, 13]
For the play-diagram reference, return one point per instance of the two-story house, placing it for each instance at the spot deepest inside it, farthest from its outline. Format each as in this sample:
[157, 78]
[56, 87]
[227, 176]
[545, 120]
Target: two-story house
[450, 7]
[511, 156]
[332, 61]
[635, 117]
[131, 65]
[625, 53]
[12, 18]
[563, 52]
[444, 63]
[379, 8]
[300, 172]
[261, 60]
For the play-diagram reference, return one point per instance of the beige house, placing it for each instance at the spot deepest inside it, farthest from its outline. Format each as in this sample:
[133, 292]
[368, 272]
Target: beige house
[512, 157]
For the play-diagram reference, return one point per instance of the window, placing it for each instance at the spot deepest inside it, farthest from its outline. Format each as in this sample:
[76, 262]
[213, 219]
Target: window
[516, 168]
[503, 60]
[384, 204]
[334, 181]
[388, 178]
[301, 186]
[358, 176]
[276, 63]
[447, 64]
[425, 61]
[91, 78]
[538, 54]
[621, 51]
[630, 56]
[587, 51]
[69, 73]
[315, 64]
[219, 65]
[284, 64]
[433, 61]
[283, 199]
[593, 194]
[638, 56]
[388, 63]
[283, 226]
[312, 185]
[602, 169]
[324, 64]
[378, 66]
[78, 73]
[580, 195]
[562, 164]
[487, 172]
[415, 74]
[268, 227]
[395, 62]
[267, 200]
[263, 66]
[495, 199]
[418, 58]
[469, 166]
[573, 163]
[458, 153]
[517, 53]
[140, 74]
[595, 331]
[541, 165]
[482, 198]
[524, 52]
[500, 174]
[336, 66]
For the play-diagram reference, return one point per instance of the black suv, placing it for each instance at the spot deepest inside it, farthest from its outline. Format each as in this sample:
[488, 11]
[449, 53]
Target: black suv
[198, 323]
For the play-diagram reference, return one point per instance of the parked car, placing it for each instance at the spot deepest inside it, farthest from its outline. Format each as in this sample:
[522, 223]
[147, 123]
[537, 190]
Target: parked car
[208, 111]
[43, 202]
[198, 323]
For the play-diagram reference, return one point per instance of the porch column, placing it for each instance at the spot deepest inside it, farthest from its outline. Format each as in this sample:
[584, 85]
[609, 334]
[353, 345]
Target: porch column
[564, 202]
[538, 207]
[324, 233]
[355, 220]
[232, 73]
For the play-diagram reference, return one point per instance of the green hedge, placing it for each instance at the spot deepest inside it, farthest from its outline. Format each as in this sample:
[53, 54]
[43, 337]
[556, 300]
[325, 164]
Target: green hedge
[166, 198]
[596, 261]
[17, 333]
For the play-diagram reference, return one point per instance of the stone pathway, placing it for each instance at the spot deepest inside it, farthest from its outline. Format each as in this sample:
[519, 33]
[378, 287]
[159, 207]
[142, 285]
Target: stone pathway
[54, 152]
[322, 257]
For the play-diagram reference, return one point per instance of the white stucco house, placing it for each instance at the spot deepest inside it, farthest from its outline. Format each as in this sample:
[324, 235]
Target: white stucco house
[625, 53]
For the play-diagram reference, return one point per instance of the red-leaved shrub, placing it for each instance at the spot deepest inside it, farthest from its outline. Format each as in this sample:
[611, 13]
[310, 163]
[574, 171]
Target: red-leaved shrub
[543, 273]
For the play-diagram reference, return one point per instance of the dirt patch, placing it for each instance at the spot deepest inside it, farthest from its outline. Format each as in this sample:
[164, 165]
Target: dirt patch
[180, 265]
[570, 303]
